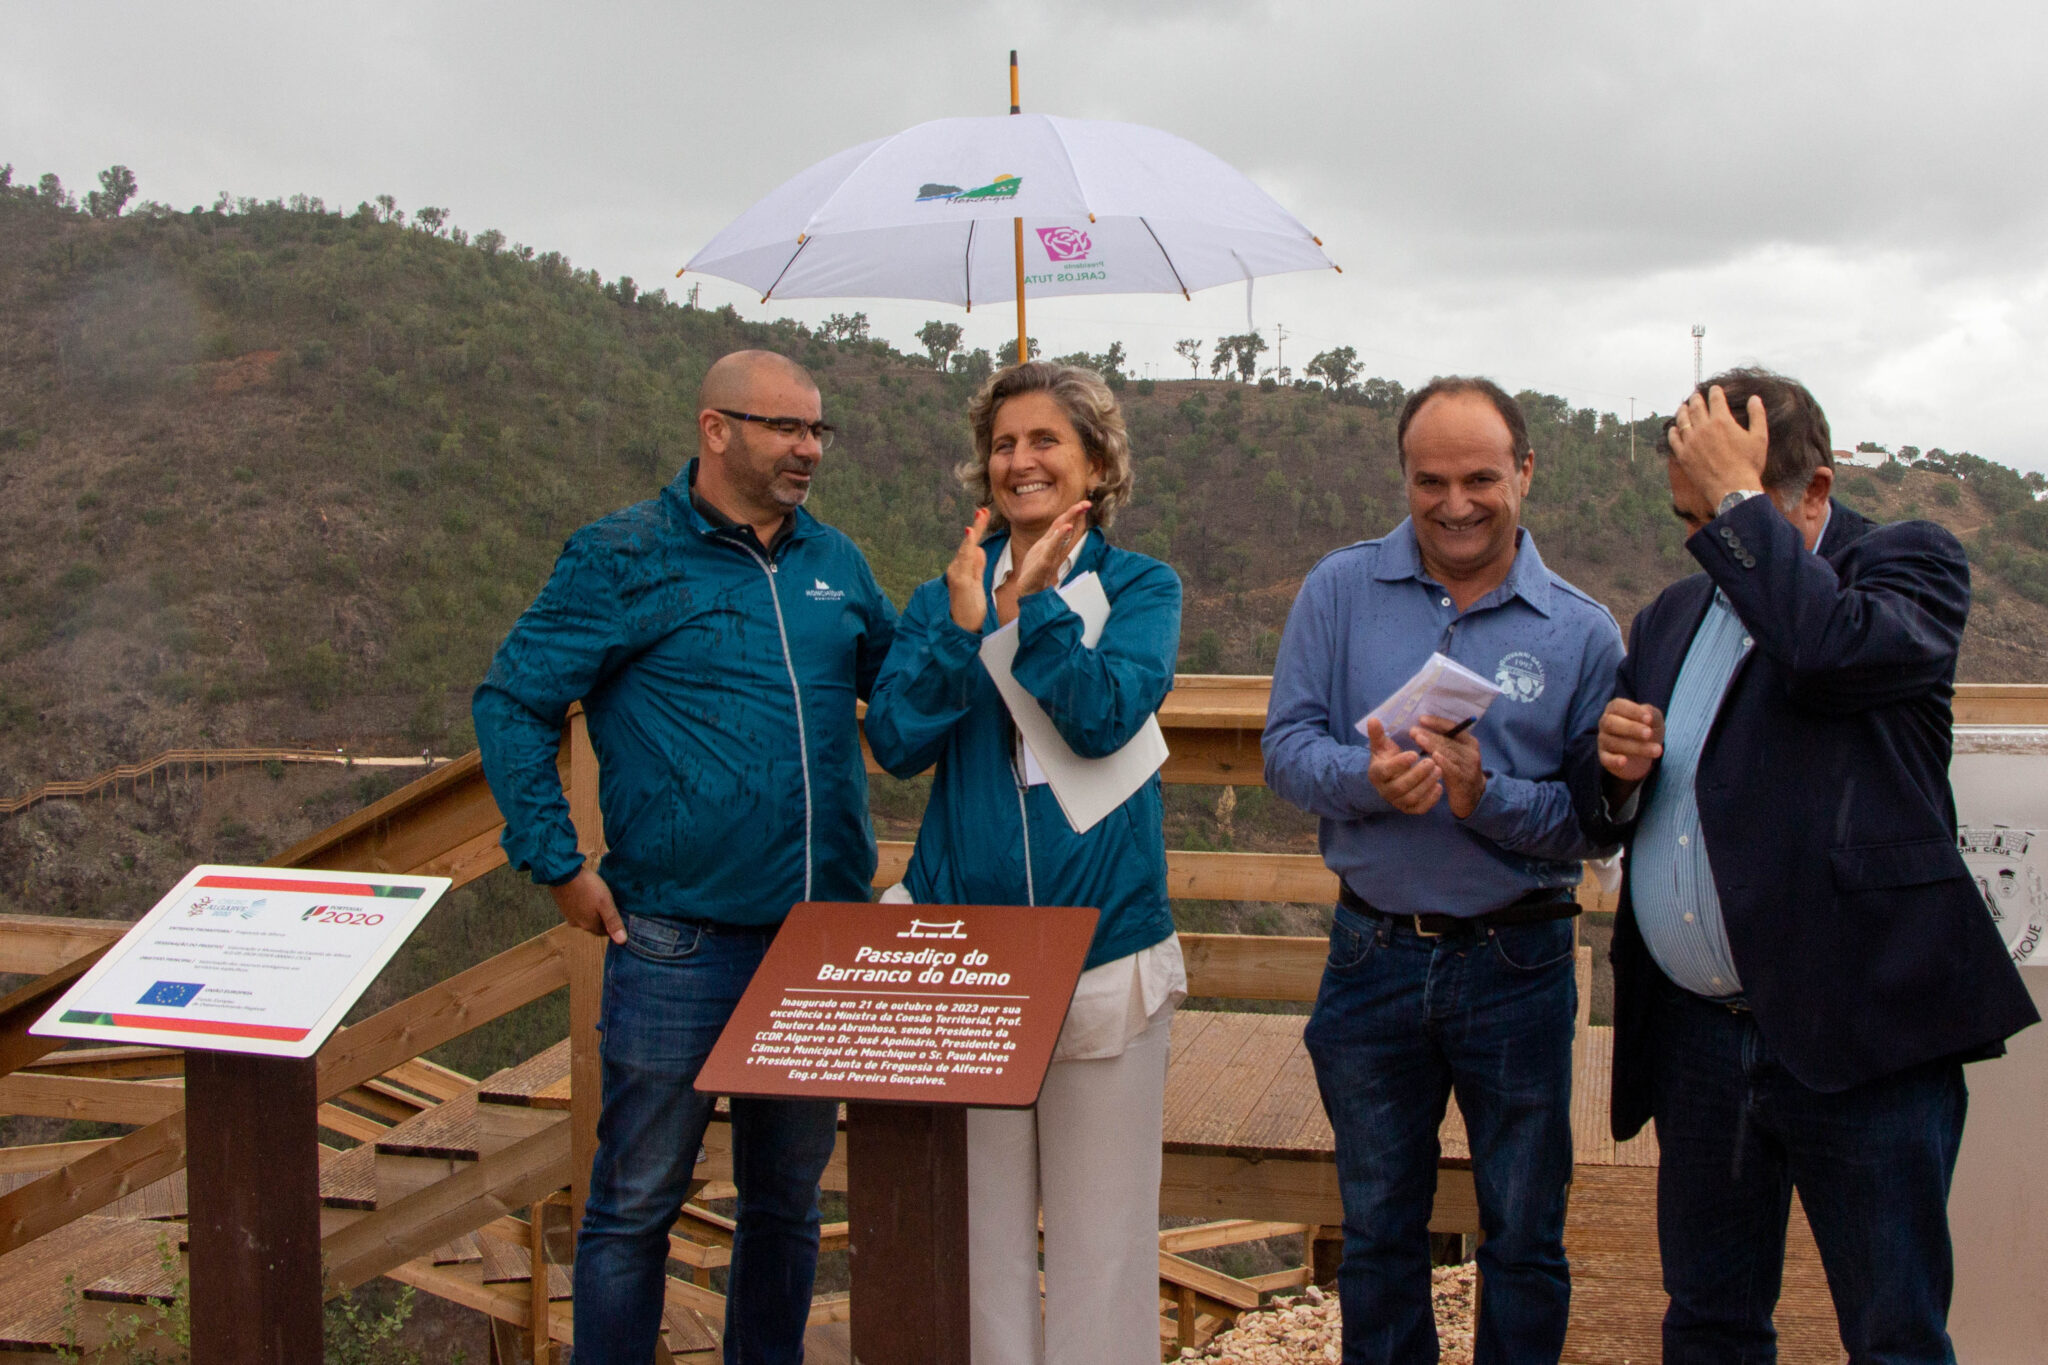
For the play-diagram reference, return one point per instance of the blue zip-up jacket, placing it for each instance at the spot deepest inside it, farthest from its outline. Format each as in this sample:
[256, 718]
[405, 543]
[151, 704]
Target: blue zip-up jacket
[936, 704]
[720, 682]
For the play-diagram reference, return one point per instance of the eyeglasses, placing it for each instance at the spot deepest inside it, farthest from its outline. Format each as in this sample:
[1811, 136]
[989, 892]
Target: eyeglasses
[796, 428]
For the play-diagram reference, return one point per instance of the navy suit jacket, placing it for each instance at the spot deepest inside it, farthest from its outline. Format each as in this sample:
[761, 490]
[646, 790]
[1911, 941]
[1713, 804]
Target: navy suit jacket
[1863, 944]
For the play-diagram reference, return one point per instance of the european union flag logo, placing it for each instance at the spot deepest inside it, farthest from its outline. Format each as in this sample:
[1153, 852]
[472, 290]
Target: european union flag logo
[176, 994]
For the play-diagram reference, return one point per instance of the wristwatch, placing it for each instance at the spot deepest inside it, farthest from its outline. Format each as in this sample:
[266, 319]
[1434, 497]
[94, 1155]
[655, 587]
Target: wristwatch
[1736, 499]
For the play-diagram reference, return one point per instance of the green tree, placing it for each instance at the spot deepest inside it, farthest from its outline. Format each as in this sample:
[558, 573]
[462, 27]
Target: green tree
[1336, 368]
[1240, 353]
[940, 340]
[1006, 354]
[845, 327]
[1383, 395]
[117, 187]
[1190, 350]
[51, 191]
[974, 366]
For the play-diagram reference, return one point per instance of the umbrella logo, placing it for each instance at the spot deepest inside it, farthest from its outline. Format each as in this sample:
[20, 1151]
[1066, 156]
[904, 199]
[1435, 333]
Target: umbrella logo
[1002, 187]
[1065, 243]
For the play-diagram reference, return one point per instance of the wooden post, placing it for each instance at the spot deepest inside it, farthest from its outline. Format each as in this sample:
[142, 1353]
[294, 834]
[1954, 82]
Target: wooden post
[1325, 1253]
[540, 1346]
[907, 1216]
[253, 1173]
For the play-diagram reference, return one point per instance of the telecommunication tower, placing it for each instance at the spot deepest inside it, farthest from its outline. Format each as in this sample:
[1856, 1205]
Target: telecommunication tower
[1699, 332]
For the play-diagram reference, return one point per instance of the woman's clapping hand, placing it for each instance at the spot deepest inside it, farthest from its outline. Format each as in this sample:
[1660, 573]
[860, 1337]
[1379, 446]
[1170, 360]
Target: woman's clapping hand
[964, 576]
[1041, 567]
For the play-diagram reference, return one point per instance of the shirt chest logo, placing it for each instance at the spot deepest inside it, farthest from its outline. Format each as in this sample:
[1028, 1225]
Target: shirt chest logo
[1519, 677]
[821, 591]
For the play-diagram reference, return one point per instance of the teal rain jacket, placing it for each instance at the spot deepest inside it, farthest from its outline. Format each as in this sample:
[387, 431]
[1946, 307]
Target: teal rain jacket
[720, 683]
[987, 841]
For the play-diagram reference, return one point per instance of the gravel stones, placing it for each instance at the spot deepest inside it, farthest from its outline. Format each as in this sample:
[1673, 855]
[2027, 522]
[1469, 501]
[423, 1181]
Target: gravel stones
[1306, 1329]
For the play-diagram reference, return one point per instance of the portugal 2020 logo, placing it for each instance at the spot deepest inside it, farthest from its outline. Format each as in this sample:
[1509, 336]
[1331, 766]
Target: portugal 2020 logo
[1520, 676]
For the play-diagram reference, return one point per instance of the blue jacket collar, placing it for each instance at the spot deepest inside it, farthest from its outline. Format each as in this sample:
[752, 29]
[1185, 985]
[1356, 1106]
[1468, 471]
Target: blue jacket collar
[1400, 558]
[684, 507]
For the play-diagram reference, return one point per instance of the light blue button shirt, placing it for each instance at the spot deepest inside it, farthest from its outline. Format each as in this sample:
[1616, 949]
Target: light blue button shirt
[1367, 617]
[1676, 905]
[1671, 882]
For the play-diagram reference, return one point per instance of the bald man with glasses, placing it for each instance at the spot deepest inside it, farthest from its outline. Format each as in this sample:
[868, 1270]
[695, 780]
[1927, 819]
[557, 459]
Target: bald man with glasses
[718, 637]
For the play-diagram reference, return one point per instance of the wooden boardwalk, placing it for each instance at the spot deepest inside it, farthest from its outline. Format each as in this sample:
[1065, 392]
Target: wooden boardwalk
[1240, 1089]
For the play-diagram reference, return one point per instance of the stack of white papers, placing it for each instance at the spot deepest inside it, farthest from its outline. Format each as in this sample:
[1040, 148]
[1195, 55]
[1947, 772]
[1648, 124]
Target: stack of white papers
[1086, 788]
[1443, 688]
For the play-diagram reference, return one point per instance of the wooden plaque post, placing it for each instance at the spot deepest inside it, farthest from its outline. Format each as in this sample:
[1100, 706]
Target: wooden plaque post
[253, 1181]
[910, 1013]
[907, 1214]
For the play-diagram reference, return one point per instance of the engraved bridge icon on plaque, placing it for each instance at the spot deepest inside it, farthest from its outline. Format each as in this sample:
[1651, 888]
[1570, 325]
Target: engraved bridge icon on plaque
[921, 929]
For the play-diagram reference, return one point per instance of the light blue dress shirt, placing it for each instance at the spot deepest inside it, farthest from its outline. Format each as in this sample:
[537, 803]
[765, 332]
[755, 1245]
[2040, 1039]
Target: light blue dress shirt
[1676, 905]
[1672, 883]
[1366, 618]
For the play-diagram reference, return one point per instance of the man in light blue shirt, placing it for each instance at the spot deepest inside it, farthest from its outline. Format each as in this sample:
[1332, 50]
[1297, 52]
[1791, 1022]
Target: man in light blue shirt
[1451, 962]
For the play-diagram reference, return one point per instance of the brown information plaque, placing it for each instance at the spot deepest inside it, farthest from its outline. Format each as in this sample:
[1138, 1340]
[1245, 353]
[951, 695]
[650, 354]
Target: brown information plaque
[919, 1004]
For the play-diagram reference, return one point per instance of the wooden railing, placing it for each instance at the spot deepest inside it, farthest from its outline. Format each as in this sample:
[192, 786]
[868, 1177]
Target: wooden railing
[182, 761]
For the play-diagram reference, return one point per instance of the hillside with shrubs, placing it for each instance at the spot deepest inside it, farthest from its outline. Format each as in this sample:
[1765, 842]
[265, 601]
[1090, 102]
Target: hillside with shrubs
[276, 473]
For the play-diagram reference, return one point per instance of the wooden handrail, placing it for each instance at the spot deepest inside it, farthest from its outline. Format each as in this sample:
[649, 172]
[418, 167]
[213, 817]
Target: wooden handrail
[133, 773]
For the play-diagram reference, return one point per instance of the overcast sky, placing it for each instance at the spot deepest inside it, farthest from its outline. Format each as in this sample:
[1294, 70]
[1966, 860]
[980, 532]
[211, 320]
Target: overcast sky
[1548, 194]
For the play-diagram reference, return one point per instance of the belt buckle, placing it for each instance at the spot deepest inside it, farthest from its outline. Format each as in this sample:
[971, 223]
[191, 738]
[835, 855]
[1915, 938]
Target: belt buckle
[1421, 932]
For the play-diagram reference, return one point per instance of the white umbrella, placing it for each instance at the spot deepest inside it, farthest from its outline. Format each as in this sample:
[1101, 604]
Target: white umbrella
[1103, 208]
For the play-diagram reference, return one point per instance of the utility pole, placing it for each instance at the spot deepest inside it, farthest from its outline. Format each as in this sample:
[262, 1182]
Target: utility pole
[1280, 350]
[1632, 428]
[1699, 331]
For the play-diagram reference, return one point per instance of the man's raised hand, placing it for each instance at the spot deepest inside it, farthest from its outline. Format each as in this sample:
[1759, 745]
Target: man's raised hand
[1408, 781]
[1631, 740]
[964, 576]
[1714, 451]
[586, 903]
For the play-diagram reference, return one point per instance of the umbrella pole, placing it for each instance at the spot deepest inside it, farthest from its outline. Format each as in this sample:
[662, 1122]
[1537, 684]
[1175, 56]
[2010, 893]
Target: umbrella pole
[1023, 341]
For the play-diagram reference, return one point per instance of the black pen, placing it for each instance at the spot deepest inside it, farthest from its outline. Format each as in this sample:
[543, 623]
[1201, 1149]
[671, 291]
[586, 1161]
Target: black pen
[1461, 727]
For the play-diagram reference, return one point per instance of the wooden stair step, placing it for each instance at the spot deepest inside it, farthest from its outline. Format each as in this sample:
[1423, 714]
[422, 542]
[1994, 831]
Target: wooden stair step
[33, 1310]
[505, 1263]
[521, 1084]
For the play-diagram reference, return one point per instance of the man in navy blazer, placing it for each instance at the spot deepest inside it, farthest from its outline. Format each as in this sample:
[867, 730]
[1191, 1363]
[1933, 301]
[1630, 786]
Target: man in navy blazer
[1801, 961]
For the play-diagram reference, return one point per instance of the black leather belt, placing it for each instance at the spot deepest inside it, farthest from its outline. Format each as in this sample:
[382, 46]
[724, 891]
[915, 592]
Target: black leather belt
[1535, 908]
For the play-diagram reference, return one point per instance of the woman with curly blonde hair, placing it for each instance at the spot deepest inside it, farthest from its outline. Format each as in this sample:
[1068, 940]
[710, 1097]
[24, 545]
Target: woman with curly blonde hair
[1051, 468]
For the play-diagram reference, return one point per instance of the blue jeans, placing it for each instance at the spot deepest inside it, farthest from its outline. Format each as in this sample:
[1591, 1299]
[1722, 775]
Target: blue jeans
[1872, 1164]
[667, 993]
[1402, 1021]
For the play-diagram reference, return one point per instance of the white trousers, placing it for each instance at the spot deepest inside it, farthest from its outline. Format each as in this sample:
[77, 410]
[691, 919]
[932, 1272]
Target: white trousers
[1089, 1153]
